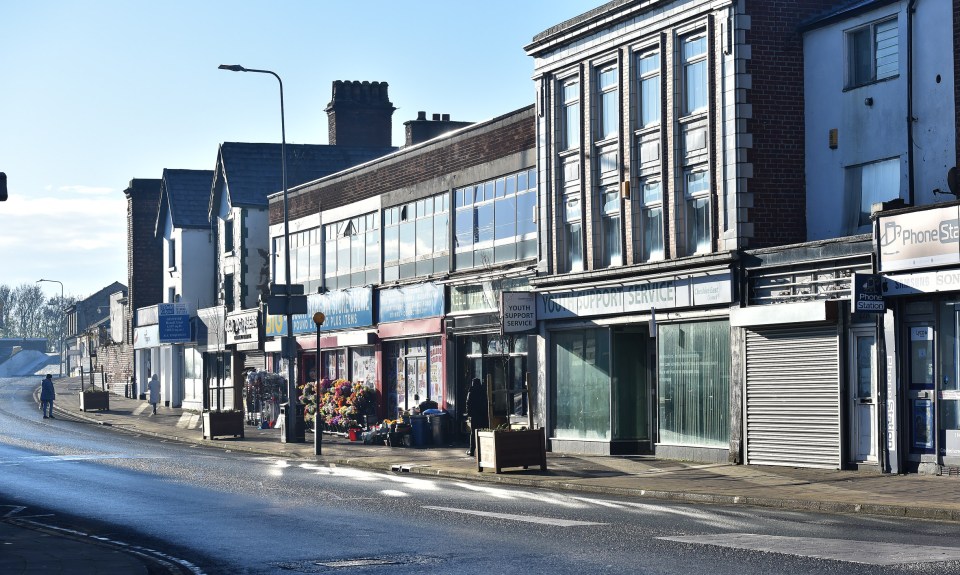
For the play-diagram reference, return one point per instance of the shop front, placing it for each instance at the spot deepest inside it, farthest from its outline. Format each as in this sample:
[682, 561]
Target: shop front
[639, 367]
[480, 347]
[919, 261]
[410, 327]
[245, 354]
[346, 341]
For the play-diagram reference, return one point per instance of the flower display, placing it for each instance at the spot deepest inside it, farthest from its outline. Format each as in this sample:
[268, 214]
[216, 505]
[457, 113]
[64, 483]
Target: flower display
[339, 404]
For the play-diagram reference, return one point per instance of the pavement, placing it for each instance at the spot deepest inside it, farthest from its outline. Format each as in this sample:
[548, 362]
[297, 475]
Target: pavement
[820, 490]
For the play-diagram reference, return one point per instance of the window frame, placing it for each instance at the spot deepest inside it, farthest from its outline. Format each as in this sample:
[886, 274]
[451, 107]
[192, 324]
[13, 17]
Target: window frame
[852, 62]
[606, 95]
[645, 252]
[690, 199]
[686, 64]
[567, 104]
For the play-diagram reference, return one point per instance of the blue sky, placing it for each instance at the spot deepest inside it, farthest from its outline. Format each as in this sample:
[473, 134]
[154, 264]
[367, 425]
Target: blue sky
[96, 92]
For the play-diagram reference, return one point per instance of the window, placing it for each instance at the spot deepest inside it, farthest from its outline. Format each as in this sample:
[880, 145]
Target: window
[608, 112]
[570, 115]
[651, 221]
[694, 54]
[573, 236]
[171, 295]
[610, 220]
[416, 238]
[228, 299]
[694, 382]
[582, 384]
[648, 78]
[495, 221]
[171, 253]
[352, 252]
[697, 197]
[306, 259]
[227, 236]
[872, 53]
[871, 184]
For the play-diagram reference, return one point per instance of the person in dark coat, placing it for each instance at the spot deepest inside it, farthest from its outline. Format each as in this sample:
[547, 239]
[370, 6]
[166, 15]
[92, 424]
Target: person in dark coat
[47, 395]
[476, 411]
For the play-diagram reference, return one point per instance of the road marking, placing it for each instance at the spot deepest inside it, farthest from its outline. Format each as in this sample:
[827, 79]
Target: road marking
[143, 407]
[58, 458]
[188, 421]
[865, 552]
[526, 518]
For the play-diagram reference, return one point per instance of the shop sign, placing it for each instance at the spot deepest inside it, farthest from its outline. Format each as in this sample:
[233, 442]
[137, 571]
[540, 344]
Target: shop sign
[343, 309]
[242, 327]
[146, 336]
[519, 312]
[919, 239]
[952, 443]
[147, 315]
[637, 297]
[868, 293]
[483, 297]
[411, 302]
[923, 282]
[173, 320]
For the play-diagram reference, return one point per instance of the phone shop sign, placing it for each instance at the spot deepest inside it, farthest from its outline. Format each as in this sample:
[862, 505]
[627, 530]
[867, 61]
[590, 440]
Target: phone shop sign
[919, 239]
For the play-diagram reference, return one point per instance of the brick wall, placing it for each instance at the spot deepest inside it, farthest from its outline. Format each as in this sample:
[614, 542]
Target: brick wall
[422, 164]
[144, 250]
[777, 126]
[117, 361]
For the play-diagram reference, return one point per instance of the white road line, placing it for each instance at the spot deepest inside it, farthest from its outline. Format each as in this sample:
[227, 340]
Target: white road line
[864, 552]
[525, 518]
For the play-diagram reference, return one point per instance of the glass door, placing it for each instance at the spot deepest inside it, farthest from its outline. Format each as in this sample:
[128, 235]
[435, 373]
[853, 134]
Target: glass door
[863, 390]
[920, 394]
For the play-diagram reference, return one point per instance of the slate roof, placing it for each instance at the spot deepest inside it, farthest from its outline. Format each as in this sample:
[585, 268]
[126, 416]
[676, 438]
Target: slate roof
[254, 171]
[185, 194]
[842, 11]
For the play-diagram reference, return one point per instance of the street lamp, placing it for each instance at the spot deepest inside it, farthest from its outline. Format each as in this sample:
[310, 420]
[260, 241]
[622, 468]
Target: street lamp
[291, 420]
[62, 321]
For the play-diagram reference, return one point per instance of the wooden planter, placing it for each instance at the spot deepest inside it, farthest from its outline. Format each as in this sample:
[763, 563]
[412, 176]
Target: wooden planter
[499, 449]
[219, 423]
[91, 400]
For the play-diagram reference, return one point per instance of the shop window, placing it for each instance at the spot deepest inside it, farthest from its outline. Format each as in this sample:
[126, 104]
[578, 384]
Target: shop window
[694, 384]
[582, 384]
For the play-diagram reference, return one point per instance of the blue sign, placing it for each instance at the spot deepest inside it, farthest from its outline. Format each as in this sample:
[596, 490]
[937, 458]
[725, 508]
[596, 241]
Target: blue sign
[343, 309]
[174, 328]
[411, 302]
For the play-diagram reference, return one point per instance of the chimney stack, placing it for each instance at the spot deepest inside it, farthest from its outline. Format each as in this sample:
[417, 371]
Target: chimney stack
[360, 114]
[422, 129]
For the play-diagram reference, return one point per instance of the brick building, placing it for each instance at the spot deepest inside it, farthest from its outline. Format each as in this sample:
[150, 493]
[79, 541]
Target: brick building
[414, 251]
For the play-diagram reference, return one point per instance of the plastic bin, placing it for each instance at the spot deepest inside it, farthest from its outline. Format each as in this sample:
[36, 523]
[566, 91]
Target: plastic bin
[420, 430]
[439, 422]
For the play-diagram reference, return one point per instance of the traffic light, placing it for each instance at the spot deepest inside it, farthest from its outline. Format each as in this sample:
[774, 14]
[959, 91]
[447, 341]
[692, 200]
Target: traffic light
[3, 187]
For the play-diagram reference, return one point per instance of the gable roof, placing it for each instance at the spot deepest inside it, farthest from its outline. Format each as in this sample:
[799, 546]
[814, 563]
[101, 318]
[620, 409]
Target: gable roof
[254, 171]
[184, 195]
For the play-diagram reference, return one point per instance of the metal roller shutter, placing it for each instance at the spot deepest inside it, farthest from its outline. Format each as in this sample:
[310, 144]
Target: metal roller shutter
[792, 397]
[254, 360]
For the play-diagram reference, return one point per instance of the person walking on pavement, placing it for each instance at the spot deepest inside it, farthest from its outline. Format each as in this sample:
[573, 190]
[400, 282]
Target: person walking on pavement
[47, 395]
[477, 416]
[153, 388]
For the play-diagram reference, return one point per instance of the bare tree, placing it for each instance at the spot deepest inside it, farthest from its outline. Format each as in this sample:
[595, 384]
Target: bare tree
[28, 311]
[6, 311]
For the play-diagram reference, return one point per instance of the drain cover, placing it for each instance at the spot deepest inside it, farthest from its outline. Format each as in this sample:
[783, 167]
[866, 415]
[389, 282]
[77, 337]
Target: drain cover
[325, 565]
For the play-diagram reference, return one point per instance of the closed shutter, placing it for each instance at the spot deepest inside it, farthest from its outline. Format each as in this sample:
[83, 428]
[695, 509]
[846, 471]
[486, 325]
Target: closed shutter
[792, 391]
[256, 360]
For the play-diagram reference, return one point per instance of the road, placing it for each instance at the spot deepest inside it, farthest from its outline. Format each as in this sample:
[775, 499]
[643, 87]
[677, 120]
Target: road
[218, 512]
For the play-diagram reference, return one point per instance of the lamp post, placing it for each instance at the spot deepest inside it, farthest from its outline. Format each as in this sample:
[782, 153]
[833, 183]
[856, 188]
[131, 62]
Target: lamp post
[287, 348]
[62, 321]
[318, 319]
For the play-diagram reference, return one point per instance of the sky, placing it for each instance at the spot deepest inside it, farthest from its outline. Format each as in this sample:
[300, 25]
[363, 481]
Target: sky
[94, 93]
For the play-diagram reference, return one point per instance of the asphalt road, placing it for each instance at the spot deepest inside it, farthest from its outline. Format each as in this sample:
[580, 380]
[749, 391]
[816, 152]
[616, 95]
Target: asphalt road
[216, 512]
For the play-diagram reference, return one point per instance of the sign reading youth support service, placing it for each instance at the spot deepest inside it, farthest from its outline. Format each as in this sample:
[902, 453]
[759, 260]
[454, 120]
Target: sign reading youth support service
[518, 311]
[919, 239]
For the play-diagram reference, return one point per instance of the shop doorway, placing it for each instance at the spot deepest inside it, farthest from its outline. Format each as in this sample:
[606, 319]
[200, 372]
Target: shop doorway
[863, 394]
[632, 376]
[920, 392]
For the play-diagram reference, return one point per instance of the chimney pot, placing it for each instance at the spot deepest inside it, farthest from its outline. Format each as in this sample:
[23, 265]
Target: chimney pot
[421, 115]
[436, 117]
[445, 117]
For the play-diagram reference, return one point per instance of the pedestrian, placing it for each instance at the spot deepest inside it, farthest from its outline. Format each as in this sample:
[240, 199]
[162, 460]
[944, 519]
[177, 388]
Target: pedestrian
[47, 395]
[153, 388]
[477, 416]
